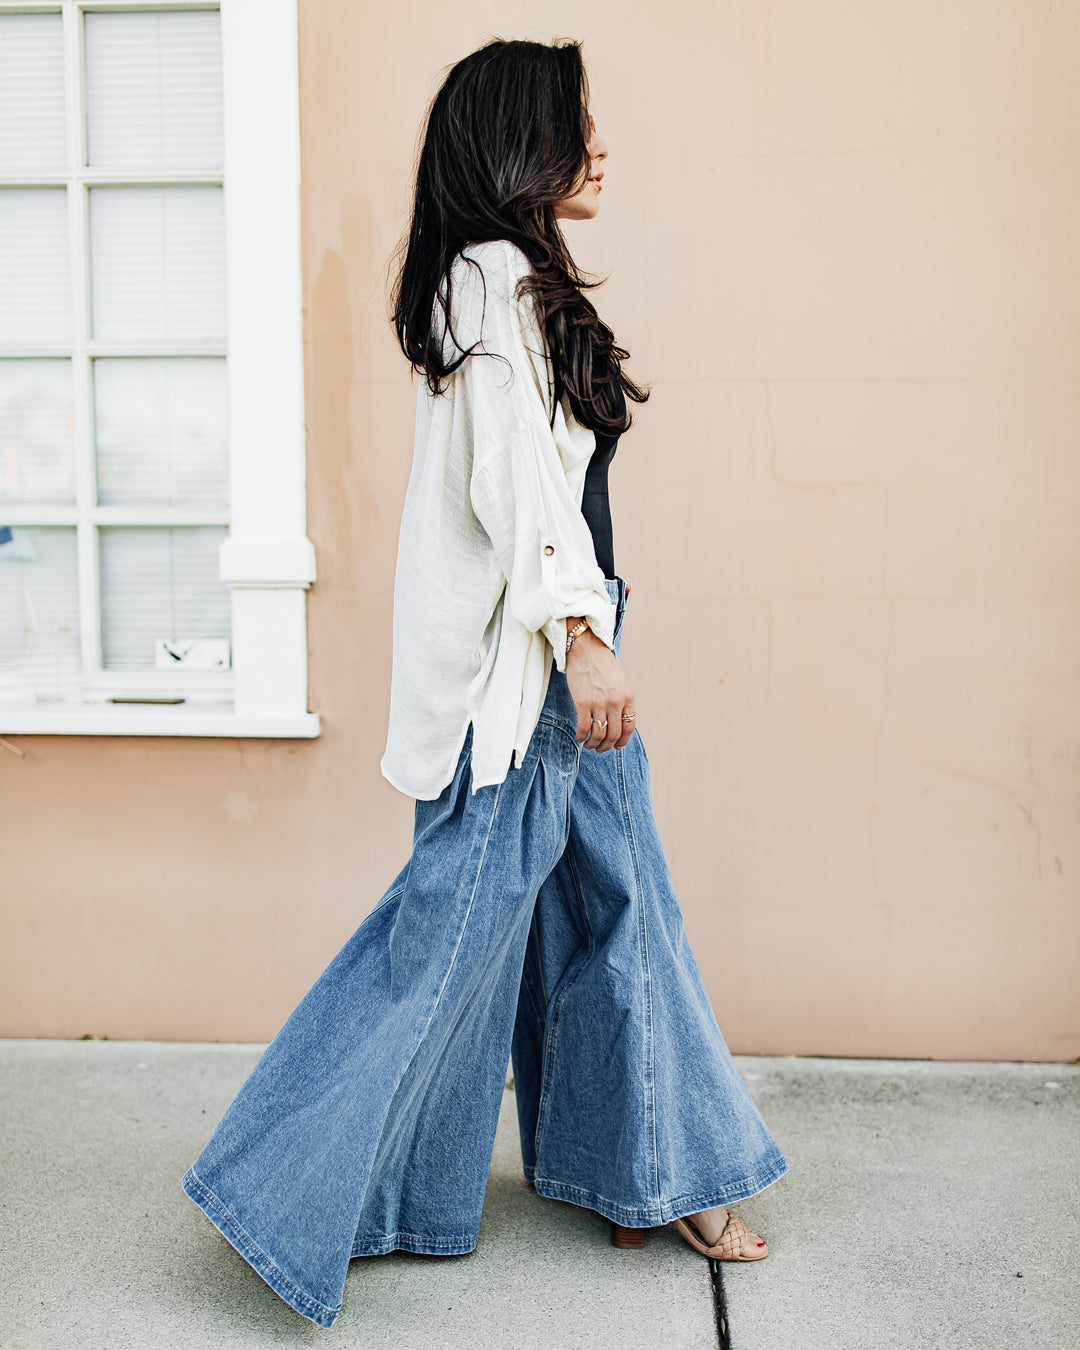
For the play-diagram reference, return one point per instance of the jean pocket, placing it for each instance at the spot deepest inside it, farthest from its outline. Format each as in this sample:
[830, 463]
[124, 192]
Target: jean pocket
[620, 608]
[556, 746]
[616, 640]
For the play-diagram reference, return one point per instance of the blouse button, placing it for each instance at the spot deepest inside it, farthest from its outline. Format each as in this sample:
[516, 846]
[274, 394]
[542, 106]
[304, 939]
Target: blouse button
[548, 550]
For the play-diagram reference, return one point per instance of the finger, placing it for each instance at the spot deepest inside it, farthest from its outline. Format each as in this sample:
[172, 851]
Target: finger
[613, 728]
[627, 718]
[600, 728]
[584, 725]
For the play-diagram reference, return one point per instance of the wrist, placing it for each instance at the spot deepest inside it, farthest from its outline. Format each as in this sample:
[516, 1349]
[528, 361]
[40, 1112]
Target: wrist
[575, 629]
[583, 647]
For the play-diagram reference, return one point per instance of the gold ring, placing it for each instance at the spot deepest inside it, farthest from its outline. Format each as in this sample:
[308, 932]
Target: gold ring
[602, 725]
[629, 717]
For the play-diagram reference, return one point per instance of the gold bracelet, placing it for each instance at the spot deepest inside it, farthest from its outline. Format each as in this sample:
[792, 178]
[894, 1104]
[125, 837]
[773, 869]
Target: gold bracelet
[575, 632]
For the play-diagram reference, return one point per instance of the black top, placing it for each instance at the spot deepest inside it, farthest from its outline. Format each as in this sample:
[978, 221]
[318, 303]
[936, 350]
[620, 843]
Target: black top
[595, 506]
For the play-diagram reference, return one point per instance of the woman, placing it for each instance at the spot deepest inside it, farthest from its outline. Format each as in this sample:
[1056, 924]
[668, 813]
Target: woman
[535, 917]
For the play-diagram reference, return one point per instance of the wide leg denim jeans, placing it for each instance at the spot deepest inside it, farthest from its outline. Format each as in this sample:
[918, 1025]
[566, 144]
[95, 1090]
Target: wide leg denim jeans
[534, 917]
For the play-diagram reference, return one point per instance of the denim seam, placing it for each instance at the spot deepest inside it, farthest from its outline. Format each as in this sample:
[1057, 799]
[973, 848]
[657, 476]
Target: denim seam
[579, 891]
[539, 1006]
[554, 1009]
[390, 895]
[464, 922]
[650, 1073]
[529, 985]
[663, 1211]
[238, 1236]
[559, 725]
[419, 1040]
[418, 1243]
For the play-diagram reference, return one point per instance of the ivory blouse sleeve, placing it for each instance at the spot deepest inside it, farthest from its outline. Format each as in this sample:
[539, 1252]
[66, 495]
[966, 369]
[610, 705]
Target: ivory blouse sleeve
[518, 486]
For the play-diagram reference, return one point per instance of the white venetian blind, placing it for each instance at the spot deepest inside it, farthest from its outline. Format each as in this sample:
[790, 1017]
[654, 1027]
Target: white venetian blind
[37, 432]
[35, 271]
[159, 584]
[157, 262]
[33, 125]
[113, 395]
[39, 612]
[161, 431]
[153, 90]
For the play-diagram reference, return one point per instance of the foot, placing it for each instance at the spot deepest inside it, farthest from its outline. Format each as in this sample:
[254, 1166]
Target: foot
[711, 1223]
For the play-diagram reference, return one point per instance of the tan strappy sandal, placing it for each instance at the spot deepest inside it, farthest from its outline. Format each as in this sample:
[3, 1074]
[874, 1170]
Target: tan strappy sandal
[729, 1248]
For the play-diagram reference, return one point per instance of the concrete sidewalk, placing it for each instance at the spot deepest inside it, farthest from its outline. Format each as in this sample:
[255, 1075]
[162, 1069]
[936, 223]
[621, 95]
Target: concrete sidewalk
[102, 1249]
[928, 1204]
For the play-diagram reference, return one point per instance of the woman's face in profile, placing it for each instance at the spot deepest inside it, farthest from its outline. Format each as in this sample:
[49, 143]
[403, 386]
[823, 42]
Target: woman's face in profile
[585, 203]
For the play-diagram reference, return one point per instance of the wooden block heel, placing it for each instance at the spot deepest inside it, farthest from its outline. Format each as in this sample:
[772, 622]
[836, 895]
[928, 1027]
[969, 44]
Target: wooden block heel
[630, 1239]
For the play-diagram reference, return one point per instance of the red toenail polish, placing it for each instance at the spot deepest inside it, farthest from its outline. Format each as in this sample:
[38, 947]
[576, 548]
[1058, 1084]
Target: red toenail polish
[761, 1244]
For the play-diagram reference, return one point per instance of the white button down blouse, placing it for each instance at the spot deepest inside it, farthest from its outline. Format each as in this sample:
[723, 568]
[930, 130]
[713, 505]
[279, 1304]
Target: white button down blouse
[494, 553]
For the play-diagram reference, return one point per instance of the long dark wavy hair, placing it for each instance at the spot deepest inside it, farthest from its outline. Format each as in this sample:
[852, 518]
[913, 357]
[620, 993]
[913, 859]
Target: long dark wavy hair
[505, 139]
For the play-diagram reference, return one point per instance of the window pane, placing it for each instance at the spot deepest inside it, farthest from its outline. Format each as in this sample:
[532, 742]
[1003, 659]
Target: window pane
[161, 431]
[37, 432]
[39, 613]
[33, 134]
[35, 303]
[157, 262]
[153, 87]
[159, 583]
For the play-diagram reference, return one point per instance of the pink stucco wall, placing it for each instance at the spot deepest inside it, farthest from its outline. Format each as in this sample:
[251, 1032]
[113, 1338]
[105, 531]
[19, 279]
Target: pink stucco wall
[842, 244]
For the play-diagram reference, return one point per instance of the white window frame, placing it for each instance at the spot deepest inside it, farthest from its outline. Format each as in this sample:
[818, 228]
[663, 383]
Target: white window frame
[267, 561]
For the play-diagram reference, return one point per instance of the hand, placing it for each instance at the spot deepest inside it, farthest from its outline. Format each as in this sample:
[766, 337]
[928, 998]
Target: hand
[601, 693]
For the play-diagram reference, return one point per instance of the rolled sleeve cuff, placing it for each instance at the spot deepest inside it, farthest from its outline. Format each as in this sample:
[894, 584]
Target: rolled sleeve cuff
[600, 612]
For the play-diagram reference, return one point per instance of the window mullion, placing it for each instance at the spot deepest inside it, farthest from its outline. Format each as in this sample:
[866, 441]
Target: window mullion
[118, 6]
[78, 243]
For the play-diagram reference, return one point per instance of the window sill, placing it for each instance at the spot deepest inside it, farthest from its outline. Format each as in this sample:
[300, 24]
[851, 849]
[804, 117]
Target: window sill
[35, 719]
